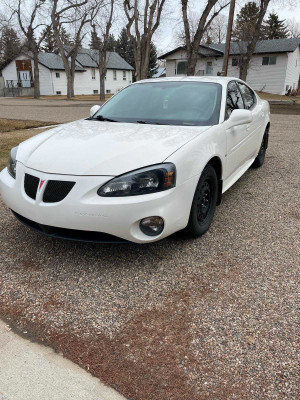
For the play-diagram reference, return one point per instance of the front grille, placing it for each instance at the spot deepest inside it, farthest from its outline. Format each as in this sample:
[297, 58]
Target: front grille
[31, 184]
[57, 190]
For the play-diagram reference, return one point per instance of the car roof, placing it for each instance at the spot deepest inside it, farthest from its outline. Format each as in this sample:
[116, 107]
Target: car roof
[223, 80]
[214, 79]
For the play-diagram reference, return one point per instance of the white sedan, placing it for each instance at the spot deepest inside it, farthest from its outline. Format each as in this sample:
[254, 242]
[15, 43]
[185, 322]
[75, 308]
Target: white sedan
[153, 160]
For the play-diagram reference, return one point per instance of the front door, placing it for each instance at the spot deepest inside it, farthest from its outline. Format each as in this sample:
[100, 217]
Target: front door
[237, 148]
[25, 78]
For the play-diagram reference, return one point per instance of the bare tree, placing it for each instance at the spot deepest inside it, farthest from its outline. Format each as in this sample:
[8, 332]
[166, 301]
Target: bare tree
[143, 19]
[78, 15]
[100, 39]
[293, 27]
[29, 21]
[192, 41]
[216, 32]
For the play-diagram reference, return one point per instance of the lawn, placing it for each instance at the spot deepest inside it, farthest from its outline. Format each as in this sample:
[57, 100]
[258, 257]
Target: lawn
[8, 140]
[271, 96]
[8, 125]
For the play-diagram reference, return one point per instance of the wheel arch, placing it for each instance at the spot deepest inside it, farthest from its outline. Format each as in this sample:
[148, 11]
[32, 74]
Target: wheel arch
[217, 164]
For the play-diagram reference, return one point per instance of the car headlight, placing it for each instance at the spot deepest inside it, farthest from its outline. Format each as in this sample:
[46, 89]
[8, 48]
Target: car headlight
[12, 162]
[142, 181]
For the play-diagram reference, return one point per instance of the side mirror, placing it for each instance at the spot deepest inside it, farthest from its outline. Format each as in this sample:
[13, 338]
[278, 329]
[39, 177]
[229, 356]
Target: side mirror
[239, 117]
[94, 109]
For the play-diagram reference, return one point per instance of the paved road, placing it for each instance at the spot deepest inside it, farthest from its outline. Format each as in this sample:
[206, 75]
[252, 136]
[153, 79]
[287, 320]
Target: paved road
[44, 110]
[206, 319]
[30, 371]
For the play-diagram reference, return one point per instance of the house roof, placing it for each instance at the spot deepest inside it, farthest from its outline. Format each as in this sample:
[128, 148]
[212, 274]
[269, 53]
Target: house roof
[89, 58]
[160, 71]
[54, 61]
[263, 46]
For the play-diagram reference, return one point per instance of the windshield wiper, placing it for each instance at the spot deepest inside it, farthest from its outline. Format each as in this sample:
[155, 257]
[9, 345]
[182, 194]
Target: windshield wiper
[101, 118]
[149, 122]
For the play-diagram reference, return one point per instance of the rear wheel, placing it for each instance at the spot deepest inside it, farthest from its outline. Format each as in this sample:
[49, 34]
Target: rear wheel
[204, 203]
[258, 162]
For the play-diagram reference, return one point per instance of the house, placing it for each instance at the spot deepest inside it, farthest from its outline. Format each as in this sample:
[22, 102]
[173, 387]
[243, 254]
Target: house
[19, 73]
[274, 68]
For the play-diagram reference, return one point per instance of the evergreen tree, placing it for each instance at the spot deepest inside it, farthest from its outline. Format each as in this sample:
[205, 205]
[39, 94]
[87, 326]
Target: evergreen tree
[95, 41]
[65, 37]
[274, 28]
[112, 43]
[153, 61]
[48, 44]
[10, 45]
[245, 22]
[124, 48]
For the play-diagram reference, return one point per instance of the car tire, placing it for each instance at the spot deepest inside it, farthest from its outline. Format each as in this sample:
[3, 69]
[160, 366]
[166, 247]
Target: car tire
[260, 158]
[204, 203]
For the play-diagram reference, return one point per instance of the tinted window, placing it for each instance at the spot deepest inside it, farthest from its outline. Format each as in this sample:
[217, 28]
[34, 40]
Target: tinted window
[234, 98]
[169, 103]
[249, 96]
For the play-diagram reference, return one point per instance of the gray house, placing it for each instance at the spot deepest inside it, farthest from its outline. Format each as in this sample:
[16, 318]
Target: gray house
[274, 68]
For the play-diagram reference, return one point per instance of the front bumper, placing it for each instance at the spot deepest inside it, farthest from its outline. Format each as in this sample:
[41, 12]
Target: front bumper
[83, 210]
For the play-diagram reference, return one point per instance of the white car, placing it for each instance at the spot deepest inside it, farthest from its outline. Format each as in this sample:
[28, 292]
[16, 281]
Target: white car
[153, 160]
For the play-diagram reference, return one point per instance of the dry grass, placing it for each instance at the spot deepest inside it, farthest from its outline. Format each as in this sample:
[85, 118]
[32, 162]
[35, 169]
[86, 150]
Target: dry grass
[87, 97]
[8, 125]
[271, 96]
[8, 140]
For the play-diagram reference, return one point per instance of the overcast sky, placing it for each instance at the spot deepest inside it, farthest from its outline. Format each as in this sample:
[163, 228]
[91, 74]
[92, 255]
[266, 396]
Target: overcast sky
[165, 38]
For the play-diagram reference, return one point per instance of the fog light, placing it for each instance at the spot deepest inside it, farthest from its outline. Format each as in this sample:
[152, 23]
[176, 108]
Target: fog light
[152, 226]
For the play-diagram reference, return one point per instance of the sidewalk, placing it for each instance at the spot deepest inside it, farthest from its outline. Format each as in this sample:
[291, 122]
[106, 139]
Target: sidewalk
[29, 371]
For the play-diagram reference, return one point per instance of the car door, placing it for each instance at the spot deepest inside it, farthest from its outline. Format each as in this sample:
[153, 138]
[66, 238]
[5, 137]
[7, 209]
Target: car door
[237, 148]
[258, 115]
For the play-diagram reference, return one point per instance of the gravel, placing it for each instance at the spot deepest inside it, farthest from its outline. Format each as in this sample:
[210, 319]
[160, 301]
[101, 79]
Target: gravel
[212, 318]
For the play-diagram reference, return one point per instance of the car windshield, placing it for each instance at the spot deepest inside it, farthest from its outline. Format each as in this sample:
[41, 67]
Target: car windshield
[166, 103]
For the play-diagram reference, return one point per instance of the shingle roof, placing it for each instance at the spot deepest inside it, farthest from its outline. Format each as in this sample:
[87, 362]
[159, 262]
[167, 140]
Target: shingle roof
[54, 61]
[160, 71]
[263, 46]
[89, 58]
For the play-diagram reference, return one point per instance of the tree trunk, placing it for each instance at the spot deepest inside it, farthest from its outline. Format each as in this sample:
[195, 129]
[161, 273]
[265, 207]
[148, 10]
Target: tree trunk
[244, 70]
[102, 84]
[36, 75]
[70, 85]
[298, 90]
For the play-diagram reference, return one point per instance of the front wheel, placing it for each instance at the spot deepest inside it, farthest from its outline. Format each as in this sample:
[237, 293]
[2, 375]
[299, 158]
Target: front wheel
[204, 203]
[259, 160]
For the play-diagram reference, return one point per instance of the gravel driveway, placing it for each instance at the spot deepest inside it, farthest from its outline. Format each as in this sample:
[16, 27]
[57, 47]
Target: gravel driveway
[212, 318]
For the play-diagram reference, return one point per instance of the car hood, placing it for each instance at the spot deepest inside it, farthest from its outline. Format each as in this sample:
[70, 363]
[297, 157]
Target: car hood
[91, 147]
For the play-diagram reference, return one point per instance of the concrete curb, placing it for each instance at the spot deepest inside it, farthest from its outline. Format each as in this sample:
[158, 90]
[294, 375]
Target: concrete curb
[30, 371]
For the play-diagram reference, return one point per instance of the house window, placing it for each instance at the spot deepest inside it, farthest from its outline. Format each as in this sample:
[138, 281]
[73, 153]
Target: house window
[95, 91]
[235, 62]
[57, 74]
[181, 68]
[58, 92]
[108, 91]
[124, 75]
[269, 60]
[115, 75]
[209, 68]
[93, 73]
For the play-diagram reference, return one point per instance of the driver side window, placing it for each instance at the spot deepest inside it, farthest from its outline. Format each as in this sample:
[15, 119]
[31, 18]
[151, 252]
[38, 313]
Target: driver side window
[234, 99]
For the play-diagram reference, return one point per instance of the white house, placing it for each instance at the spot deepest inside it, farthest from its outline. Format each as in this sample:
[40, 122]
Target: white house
[274, 68]
[19, 73]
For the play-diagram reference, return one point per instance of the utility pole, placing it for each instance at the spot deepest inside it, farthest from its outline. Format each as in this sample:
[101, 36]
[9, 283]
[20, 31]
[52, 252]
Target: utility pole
[228, 38]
